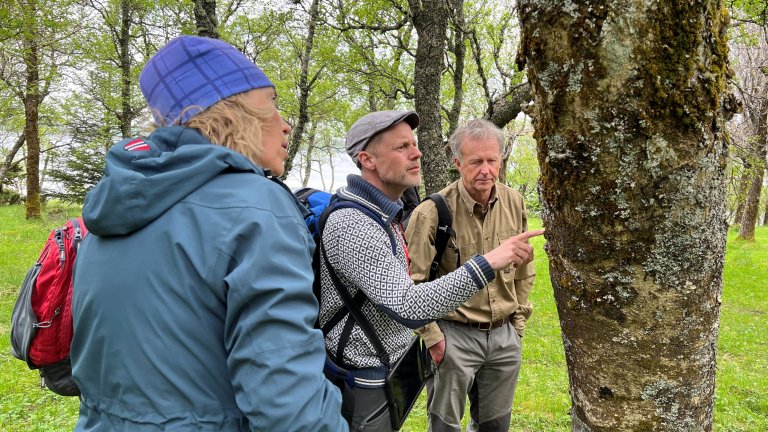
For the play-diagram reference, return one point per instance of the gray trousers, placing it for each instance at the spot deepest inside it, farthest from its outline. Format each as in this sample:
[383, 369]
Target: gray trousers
[482, 364]
[371, 411]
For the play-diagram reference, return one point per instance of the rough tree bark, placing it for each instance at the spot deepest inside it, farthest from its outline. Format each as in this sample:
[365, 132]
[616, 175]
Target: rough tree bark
[752, 202]
[741, 197]
[757, 111]
[627, 98]
[309, 156]
[32, 100]
[503, 110]
[765, 213]
[126, 115]
[205, 18]
[430, 19]
[459, 49]
[305, 87]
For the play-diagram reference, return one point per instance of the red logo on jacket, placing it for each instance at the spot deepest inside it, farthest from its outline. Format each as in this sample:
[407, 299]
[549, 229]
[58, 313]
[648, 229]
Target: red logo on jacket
[137, 145]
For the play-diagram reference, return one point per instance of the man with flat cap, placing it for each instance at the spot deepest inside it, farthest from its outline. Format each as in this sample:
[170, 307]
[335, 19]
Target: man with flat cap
[370, 256]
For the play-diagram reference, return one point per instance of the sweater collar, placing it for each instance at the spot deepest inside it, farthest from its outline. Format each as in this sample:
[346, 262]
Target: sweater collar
[359, 190]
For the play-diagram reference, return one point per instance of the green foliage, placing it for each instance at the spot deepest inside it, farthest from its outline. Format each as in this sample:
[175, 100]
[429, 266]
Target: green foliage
[523, 172]
[77, 173]
[13, 174]
[378, 64]
[99, 53]
[9, 197]
[756, 10]
[541, 401]
[495, 27]
[353, 69]
[77, 165]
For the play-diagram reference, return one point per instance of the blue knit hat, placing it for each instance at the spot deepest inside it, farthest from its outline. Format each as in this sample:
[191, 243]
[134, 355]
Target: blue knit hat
[191, 71]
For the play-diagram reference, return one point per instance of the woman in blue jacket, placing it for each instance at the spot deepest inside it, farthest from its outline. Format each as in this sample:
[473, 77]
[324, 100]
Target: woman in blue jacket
[192, 303]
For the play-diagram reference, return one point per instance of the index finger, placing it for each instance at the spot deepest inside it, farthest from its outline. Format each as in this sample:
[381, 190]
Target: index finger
[528, 234]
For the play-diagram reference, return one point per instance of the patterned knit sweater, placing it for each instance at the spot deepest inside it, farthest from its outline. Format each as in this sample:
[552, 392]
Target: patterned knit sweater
[360, 252]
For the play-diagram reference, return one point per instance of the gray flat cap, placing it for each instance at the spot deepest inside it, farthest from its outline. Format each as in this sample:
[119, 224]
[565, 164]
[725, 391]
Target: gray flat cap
[370, 124]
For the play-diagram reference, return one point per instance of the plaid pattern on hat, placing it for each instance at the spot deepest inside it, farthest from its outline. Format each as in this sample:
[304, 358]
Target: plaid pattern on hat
[191, 73]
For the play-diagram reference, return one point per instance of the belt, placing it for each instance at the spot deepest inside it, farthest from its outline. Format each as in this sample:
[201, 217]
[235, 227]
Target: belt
[485, 326]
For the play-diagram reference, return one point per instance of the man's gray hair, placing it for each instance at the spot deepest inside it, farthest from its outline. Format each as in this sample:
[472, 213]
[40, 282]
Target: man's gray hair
[475, 129]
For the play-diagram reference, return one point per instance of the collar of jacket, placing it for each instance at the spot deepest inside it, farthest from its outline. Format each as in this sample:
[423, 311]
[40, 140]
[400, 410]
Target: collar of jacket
[362, 192]
[470, 202]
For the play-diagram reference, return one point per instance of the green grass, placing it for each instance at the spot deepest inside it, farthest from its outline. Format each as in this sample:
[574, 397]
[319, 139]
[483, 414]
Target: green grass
[741, 398]
[541, 402]
[24, 406]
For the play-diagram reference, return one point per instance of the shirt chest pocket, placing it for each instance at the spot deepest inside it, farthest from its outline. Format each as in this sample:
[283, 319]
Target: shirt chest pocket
[456, 255]
[501, 237]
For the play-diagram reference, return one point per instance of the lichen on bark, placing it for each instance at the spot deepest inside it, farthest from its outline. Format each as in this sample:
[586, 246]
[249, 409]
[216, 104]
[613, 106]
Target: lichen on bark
[626, 103]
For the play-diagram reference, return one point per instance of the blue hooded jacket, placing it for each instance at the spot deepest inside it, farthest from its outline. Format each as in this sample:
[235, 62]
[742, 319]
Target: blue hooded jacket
[192, 302]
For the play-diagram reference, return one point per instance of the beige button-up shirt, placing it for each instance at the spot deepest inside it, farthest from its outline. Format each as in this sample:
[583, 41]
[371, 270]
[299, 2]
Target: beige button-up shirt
[477, 232]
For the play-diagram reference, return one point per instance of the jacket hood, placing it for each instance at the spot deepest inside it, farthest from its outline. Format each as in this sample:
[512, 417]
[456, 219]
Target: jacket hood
[144, 177]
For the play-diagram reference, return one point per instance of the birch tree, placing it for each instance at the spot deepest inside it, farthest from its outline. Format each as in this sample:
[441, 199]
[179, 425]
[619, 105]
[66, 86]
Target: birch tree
[32, 49]
[430, 19]
[629, 105]
[752, 75]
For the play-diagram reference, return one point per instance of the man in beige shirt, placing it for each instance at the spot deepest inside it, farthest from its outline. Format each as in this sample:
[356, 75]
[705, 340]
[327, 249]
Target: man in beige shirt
[477, 347]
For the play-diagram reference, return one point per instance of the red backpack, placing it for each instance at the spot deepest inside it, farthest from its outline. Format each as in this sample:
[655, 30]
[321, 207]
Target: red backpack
[41, 323]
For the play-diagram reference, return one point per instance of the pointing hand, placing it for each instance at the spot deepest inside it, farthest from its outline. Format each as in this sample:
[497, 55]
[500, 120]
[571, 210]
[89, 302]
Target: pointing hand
[515, 250]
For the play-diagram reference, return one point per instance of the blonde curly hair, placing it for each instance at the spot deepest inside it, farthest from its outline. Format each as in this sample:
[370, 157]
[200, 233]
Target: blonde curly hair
[232, 123]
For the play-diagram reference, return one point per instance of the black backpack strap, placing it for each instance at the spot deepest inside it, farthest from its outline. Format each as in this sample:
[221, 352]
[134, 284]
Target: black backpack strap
[356, 314]
[411, 200]
[343, 340]
[304, 193]
[351, 304]
[335, 204]
[443, 233]
[359, 298]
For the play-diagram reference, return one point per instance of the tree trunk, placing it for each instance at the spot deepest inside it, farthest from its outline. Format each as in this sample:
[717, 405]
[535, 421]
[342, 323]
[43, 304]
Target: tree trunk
[765, 214]
[371, 95]
[627, 120]
[741, 196]
[459, 49]
[8, 162]
[757, 112]
[331, 166]
[430, 19]
[752, 203]
[503, 110]
[509, 144]
[125, 117]
[305, 87]
[308, 159]
[205, 18]
[32, 101]
[46, 160]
